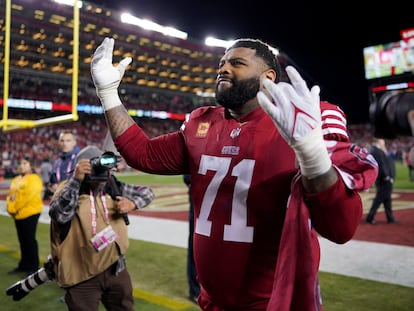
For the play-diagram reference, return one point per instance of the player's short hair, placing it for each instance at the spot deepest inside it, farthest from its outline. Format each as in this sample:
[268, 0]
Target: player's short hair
[66, 132]
[263, 50]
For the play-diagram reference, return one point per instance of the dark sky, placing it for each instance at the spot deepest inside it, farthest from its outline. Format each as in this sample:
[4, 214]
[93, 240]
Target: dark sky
[324, 38]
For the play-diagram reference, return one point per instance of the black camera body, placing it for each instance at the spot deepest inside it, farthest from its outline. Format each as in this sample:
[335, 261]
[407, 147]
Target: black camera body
[102, 165]
[392, 113]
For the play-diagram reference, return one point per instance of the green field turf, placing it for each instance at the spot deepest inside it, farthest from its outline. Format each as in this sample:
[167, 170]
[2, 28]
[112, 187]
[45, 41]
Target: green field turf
[159, 272]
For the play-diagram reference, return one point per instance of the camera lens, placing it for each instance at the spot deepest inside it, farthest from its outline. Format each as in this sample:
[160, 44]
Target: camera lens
[392, 115]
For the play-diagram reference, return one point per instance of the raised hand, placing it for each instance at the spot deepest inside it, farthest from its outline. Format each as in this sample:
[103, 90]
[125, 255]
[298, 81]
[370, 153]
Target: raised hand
[296, 109]
[105, 75]
[296, 112]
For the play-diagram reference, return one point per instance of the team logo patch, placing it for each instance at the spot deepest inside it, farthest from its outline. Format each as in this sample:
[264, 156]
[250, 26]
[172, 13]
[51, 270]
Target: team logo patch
[235, 132]
[203, 129]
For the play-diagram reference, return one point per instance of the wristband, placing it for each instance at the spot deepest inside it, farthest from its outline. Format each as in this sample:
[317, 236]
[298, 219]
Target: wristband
[312, 154]
[109, 97]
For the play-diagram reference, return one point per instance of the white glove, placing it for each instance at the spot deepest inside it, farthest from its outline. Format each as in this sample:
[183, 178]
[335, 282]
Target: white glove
[296, 113]
[105, 76]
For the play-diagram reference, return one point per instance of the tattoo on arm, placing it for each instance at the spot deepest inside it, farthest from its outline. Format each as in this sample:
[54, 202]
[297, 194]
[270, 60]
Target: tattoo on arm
[118, 120]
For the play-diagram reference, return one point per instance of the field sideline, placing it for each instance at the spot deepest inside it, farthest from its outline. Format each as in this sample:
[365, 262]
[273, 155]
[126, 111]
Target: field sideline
[172, 199]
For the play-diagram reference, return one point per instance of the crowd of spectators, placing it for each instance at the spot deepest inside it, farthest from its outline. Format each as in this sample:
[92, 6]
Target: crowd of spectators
[362, 134]
[145, 99]
[41, 143]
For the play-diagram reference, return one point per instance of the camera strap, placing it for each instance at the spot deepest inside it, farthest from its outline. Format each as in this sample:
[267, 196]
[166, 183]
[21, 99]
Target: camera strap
[93, 210]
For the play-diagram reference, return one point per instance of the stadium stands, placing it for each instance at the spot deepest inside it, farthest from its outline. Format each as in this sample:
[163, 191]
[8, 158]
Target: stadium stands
[42, 45]
[167, 74]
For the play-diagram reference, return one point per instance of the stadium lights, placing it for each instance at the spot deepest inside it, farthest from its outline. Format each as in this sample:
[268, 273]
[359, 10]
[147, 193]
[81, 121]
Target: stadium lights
[211, 41]
[149, 25]
[69, 2]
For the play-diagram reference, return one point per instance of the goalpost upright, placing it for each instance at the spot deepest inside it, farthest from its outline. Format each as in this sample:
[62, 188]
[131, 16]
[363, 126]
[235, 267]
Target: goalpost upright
[7, 124]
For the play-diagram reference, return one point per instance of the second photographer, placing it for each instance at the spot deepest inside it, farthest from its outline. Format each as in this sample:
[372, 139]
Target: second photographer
[89, 235]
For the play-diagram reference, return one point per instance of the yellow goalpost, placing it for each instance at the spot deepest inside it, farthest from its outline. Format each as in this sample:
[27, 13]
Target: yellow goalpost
[7, 124]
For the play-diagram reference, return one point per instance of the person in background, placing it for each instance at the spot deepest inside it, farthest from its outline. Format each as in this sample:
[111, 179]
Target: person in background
[272, 167]
[409, 159]
[384, 182]
[64, 166]
[46, 169]
[24, 204]
[89, 236]
[193, 285]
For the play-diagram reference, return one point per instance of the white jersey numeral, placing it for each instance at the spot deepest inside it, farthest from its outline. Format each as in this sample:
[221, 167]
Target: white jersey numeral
[237, 230]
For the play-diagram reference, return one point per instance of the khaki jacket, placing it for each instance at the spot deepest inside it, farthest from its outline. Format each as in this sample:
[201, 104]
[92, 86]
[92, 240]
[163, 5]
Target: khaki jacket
[75, 259]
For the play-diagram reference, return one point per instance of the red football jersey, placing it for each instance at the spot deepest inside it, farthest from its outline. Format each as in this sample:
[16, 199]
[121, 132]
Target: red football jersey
[241, 173]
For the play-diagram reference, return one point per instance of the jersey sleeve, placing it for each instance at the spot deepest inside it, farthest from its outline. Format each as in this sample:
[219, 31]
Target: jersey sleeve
[355, 164]
[336, 212]
[164, 154]
[334, 124]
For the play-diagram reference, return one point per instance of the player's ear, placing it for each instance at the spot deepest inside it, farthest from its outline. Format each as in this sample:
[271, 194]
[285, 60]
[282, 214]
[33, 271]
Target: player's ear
[270, 74]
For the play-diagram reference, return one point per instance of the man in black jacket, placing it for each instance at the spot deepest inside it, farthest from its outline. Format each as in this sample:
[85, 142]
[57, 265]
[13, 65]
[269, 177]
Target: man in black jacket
[384, 182]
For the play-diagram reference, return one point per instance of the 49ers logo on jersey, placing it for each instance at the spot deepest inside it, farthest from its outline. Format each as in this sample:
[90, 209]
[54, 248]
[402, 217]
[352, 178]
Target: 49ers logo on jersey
[202, 129]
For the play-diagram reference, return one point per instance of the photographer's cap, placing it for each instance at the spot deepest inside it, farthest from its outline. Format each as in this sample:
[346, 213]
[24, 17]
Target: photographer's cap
[88, 152]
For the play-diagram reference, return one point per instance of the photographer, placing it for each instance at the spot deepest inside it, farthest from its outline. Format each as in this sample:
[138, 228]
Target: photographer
[89, 233]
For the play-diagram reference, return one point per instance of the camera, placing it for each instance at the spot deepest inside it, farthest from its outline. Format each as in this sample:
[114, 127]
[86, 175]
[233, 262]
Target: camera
[392, 113]
[102, 165]
[23, 287]
[100, 172]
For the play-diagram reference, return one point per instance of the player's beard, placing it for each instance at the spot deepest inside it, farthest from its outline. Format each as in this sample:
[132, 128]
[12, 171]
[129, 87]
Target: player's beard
[239, 93]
